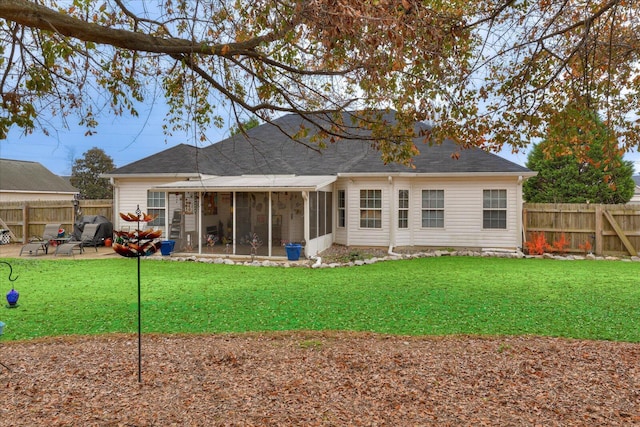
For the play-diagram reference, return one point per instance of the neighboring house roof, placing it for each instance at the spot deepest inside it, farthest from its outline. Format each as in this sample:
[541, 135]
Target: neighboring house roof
[266, 150]
[637, 180]
[24, 176]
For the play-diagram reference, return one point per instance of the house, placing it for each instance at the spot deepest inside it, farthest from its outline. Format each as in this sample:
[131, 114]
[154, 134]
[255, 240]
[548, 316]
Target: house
[217, 199]
[25, 181]
[636, 195]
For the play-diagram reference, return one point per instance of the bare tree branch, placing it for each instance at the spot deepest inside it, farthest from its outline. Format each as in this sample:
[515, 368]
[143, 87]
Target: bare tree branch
[32, 15]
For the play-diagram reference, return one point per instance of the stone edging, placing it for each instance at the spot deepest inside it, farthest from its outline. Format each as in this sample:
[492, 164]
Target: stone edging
[317, 261]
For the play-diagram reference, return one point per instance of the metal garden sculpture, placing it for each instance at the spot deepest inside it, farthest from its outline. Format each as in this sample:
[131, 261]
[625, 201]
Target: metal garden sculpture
[136, 244]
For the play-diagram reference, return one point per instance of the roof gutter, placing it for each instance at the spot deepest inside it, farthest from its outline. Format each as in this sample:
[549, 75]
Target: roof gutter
[231, 189]
[39, 191]
[250, 183]
[523, 174]
[151, 175]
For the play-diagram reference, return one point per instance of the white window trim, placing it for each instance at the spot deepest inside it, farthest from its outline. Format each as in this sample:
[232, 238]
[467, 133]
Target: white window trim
[423, 209]
[342, 209]
[150, 209]
[361, 209]
[401, 209]
[505, 210]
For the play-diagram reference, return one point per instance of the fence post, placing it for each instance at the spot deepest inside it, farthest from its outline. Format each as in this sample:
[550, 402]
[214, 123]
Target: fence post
[598, 237]
[524, 227]
[25, 223]
[74, 213]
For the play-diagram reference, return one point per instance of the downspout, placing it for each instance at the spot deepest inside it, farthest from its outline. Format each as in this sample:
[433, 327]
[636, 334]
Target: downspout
[116, 204]
[519, 215]
[392, 216]
[270, 225]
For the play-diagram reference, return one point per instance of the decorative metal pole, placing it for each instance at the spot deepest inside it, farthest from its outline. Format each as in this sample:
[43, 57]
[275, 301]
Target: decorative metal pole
[138, 212]
[12, 297]
[137, 244]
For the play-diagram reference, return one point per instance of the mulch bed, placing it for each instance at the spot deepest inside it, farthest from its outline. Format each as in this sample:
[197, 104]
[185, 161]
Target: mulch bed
[316, 378]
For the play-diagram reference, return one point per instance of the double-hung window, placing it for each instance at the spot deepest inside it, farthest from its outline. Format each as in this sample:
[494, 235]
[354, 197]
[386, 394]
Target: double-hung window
[156, 206]
[494, 205]
[342, 209]
[433, 208]
[403, 208]
[371, 208]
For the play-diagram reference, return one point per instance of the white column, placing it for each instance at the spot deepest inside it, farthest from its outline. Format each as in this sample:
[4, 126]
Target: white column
[305, 198]
[269, 231]
[392, 213]
[199, 221]
[234, 203]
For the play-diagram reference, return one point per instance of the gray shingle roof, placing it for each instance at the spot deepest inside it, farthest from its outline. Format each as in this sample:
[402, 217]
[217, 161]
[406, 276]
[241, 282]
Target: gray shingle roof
[267, 150]
[181, 159]
[19, 175]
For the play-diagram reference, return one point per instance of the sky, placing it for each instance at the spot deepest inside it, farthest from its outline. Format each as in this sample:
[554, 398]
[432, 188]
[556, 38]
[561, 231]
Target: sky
[125, 139]
[128, 139]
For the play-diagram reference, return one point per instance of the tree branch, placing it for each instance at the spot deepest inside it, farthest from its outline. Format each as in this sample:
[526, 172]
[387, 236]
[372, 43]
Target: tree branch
[32, 15]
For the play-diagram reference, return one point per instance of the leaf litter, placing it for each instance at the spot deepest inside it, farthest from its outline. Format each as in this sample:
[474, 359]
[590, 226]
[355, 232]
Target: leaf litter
[318, 379]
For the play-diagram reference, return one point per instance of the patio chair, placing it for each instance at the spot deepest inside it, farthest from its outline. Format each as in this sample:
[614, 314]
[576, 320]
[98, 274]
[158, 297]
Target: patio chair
[88, 238]
[38, 244]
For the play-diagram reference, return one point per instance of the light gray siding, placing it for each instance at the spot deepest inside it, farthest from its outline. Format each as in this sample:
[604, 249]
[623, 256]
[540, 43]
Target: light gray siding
[357, 235]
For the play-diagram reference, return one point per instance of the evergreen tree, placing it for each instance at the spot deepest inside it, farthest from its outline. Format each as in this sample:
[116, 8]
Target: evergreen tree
[595, 172]
[85, 175]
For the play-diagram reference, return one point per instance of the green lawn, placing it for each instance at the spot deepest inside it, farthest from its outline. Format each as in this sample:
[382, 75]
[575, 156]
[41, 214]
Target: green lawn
[429, 296]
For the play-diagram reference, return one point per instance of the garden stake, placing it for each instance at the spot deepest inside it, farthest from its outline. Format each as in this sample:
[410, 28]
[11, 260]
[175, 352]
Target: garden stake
[11, 280]
[13, 295]
[137, 244]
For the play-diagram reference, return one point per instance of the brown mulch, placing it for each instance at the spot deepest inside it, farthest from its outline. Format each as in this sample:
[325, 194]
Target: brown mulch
[316, 378]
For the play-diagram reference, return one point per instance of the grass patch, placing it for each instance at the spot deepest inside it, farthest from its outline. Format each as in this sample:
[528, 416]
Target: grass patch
[311, 344]
[429, 296]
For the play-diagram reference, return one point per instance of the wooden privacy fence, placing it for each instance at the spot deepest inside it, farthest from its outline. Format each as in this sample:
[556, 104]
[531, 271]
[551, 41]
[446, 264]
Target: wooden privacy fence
[27, 219]
[606, 229]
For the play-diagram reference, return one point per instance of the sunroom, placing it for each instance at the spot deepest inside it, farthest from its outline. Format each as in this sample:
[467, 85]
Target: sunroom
[248, 215]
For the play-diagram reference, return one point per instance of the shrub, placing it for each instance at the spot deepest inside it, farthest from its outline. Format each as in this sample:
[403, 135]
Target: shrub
[586, 247]
[560, 245]
[538, 244]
